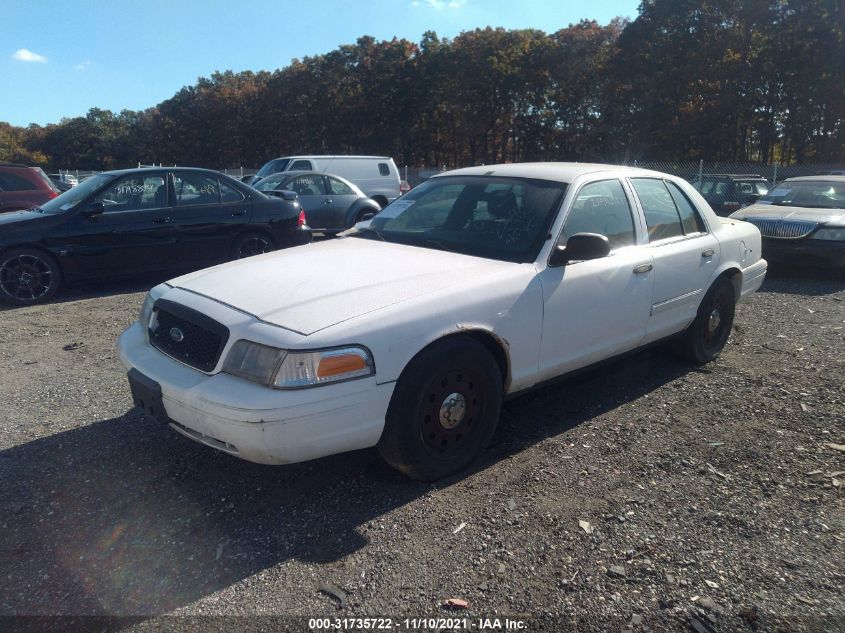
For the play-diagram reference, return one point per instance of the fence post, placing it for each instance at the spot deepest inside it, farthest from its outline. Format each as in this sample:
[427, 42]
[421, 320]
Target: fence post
[242, 172]
[700, 169]
[775, 177]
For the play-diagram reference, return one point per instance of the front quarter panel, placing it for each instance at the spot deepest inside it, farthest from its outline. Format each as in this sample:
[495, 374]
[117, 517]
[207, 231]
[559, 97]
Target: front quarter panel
[505, 307]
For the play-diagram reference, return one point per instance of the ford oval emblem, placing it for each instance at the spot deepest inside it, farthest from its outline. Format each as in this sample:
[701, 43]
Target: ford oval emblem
[177, 335]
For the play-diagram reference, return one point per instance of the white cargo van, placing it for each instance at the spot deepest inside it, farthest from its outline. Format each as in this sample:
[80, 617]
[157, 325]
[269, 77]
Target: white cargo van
[376, 176]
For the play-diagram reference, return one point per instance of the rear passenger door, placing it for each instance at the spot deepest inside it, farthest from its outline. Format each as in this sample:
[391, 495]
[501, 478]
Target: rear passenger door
[208, 214]
[314, 198]
[684, 252]
[341, 197]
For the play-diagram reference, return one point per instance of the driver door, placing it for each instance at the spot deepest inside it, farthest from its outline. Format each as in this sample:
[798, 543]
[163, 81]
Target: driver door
[598, 308]
[135, 232]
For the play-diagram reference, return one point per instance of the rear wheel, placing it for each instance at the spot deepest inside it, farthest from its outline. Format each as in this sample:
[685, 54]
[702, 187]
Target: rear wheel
[28, 276]
[705, 338]
[444, 409]
[252, 244]
[364, 215]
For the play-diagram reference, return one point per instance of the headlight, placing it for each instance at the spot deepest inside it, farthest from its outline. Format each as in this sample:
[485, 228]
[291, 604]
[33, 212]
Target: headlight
[147, 307]
[836, 234]
[295, 370]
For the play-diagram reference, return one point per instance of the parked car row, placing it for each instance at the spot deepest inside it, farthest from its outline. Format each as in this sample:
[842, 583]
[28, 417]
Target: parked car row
[136, 220]
[376, 176]
[802, 220]
[22, 187]
[409, 330]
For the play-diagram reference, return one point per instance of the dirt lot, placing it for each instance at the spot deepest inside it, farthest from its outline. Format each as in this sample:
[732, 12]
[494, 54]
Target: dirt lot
[702, 515]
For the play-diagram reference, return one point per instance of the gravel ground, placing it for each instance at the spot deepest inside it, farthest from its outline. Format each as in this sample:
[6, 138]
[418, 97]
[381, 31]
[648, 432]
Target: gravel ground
[647, 495]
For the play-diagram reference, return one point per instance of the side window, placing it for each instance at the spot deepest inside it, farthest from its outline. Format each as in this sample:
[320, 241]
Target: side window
[195, 189]
[339, 188]
[310, 185]
[601, 207]
[134, 193]
[11, 182]
[661, 216]
[229, 193]
[690, 219]
[301, 165]
[383, 169]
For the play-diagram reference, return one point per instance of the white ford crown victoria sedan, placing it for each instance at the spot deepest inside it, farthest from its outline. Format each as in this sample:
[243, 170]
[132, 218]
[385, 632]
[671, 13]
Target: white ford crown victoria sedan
[407, 332]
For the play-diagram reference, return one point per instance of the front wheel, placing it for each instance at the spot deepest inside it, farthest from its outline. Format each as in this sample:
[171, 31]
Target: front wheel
[444, 409]
[28, 276]
[252, 244]
[364, 215]
[705, 338]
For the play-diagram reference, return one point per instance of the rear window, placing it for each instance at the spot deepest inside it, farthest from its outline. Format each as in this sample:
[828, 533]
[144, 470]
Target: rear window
[13, 182]
[383, 169]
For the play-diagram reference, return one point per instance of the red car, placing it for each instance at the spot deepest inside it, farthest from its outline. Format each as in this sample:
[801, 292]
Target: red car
[23, 187]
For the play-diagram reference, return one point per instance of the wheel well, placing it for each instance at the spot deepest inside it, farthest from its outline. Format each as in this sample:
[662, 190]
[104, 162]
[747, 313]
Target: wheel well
[496, 346]
[734, 275]
[34, 247]
[253, 231]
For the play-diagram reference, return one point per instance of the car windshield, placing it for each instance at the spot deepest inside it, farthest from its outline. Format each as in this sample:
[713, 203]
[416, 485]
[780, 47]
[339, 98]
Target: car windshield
[272, 167]
[72, 197]
[813, 194]
[271, 182]
[498, 218]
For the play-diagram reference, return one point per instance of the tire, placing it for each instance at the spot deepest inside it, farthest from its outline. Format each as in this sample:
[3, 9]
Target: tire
[705, 338]
[381, 201]
[28, 276]
[444, 409]
[250, 244]
[365, 214]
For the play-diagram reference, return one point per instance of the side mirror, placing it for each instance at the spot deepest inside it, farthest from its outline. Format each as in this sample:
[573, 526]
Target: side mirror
[580, 247]
[287, 194]
[94, 209]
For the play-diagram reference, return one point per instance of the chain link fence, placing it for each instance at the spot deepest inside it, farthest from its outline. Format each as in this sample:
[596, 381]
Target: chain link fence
[690, 170]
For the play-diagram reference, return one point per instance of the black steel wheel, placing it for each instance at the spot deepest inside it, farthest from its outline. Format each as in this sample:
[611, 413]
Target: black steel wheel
[28, 276]
[252, 244]
[705, 338]
[444, 409]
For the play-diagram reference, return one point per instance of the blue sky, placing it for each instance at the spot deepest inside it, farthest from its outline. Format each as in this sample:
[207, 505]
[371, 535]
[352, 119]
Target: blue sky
[59, 59]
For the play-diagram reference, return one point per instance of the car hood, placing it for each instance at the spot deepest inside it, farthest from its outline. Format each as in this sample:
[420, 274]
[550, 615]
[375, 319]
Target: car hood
[309, 288]
[776, 212]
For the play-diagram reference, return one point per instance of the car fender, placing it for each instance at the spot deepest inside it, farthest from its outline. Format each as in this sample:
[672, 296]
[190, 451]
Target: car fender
[359, 205]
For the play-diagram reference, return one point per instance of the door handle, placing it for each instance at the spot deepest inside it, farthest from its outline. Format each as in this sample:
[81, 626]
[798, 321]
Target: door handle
[708, 252]
[238, 213]
[642, 268]
[164, 220]
[329, 201]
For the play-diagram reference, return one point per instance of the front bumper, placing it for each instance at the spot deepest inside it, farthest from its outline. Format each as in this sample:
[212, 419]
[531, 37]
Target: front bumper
[254, 422]
[827, 253]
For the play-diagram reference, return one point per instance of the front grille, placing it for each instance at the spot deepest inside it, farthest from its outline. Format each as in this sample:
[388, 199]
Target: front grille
[783, 229]
[187, 335]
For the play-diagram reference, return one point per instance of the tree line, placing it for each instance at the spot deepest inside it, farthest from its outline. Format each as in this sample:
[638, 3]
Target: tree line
[718, 80]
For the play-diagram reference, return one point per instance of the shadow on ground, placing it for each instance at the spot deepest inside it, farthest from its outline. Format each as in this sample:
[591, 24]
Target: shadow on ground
[126, 517]
[803, 280]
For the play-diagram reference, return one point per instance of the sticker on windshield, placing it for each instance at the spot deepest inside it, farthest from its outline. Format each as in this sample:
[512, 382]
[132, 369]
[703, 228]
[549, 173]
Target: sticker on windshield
[396, 208]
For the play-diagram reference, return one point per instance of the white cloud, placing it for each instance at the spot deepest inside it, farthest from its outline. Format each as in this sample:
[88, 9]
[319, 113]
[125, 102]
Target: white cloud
[83, 65]
[26, 55]
[439, 4]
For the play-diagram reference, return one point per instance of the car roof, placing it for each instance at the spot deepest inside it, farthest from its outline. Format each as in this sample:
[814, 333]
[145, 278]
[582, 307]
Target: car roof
[136, 170]
[737, 176]
[558, 172]
[332, 156]
[826, 178]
